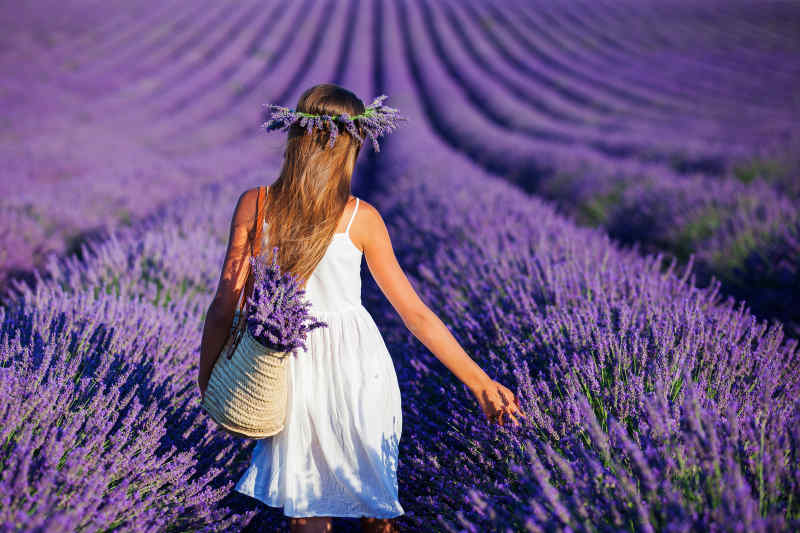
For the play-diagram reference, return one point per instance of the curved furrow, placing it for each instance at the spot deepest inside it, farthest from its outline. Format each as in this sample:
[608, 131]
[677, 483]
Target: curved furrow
[531, 54]
[625, 53]
[226, 130]
[486, 91]
[208, 151]
[750, 60]
[163, 34]
[110, 73]
[283, 57]
[195, 96]
[162, 78]
[717, 78]
[354, 21]
[355, 72]
[526, 161]
[419, 247]
[65, 78]
[760, 24]
[637, 203]
[568, 50]
[578, 47]
[682, 90]
[119, 71]
[107, 39]
[727, 39]
[539, 67]
[362, 75]
[288, 87]
[182, 49]
[688, 99]
[541, 91]
[640, 124]
[639, 108]
[703, 127]
[199, 504]
[614, 97]
[298, 63]
[723, 32]
[61, 47]
[491, 98]
[315, 64]
[174, 97]
[626, 371]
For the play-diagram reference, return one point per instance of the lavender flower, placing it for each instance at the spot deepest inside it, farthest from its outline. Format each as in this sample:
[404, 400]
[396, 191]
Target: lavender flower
[277, 314]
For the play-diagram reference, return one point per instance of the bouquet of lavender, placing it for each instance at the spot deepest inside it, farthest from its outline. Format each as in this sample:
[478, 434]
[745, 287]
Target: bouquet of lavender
[277, 315]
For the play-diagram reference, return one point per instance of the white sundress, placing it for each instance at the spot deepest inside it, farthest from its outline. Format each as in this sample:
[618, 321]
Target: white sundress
[337, 453]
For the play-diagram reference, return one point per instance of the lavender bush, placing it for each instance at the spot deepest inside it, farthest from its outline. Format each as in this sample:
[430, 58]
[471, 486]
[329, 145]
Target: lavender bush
[652, 404]
[587, 181]
[277, 313]
[607, 370]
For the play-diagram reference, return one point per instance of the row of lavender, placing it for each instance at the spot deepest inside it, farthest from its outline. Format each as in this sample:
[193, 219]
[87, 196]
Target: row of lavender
[609, 357]
[580, 74]
[153, 329]
[684, 408]
[160, 98]
[586, 121]
[561, 102]
[483, 73]
[85, 124]
[158, 285]
[652, 405]
[101, 425]
[158, 274]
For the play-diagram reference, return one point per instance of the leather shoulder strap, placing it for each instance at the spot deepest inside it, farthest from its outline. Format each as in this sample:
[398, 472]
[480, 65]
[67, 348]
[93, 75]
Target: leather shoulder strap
[260, 208]
[255, 246]
[247, 290]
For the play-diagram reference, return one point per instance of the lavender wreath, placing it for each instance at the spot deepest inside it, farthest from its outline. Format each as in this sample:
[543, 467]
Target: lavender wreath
[376, 120]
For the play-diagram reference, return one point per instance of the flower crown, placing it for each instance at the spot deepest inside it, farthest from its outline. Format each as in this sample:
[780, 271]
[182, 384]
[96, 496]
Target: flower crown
[376, 120]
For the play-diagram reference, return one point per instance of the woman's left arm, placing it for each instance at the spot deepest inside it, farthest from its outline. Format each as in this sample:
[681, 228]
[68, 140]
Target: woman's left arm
[236, 266]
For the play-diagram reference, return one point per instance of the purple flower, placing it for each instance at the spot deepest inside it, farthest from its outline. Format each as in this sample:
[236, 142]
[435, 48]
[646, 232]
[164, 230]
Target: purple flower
[277, 313]
[376, 120]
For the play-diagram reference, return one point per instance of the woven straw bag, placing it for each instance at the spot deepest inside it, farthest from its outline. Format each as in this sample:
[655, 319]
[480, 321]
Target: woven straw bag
[247, 391]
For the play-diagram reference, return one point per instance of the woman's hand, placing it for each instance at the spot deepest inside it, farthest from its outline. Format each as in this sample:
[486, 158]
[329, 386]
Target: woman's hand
[496, 400]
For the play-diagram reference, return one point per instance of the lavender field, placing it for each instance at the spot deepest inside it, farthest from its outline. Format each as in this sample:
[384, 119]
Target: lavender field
[600, 199]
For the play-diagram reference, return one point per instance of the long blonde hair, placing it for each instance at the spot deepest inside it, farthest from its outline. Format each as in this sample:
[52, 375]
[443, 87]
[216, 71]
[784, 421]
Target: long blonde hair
[304, 205]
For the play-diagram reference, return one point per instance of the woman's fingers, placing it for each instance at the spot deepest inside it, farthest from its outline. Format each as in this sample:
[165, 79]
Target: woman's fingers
[517, 409]
[498, 400]
[513, 419]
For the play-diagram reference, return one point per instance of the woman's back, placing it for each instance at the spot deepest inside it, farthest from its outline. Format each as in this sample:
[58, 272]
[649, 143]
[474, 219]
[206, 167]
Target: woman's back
[335, 284]
[337, 453]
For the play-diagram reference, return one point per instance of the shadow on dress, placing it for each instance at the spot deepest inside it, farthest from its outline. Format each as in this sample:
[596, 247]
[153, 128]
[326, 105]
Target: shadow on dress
[272, 519]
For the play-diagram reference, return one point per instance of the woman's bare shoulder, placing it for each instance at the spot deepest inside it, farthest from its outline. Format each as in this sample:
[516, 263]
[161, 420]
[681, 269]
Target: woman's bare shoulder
[368, 208]
[372, 229]
[245, 210]
[371, 218]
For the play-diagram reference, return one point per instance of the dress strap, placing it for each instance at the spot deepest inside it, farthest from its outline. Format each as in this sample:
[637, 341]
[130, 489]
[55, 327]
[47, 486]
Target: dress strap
[347, 230]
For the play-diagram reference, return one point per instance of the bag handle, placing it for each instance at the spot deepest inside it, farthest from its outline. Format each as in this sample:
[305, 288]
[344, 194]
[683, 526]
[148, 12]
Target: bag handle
[255, 248]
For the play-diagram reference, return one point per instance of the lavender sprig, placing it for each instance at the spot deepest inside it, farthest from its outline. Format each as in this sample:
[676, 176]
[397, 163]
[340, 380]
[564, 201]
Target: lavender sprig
[277, 314]
[376, 120]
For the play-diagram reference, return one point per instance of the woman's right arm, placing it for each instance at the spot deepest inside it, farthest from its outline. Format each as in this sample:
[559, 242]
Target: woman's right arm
[235, 267]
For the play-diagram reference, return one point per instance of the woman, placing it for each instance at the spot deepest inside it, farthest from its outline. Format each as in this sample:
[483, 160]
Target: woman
[337, 454]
